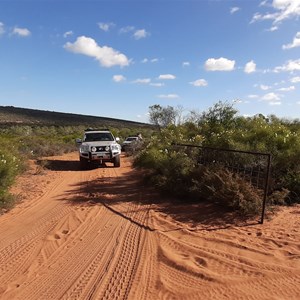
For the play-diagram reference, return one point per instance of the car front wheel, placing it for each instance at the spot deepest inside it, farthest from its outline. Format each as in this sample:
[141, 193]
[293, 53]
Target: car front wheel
[83, 163]
[117, 161]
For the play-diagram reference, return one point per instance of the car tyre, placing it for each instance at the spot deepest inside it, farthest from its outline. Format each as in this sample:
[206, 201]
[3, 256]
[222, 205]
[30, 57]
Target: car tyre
[117, 161]
[84, 164]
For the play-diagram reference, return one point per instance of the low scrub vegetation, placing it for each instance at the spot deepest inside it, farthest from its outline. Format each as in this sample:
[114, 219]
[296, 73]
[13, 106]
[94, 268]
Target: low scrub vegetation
[20, 143]
[178, 171]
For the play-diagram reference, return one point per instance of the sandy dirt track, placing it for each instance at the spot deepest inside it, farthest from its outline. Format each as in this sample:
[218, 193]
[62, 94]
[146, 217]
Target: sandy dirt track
[100, 234]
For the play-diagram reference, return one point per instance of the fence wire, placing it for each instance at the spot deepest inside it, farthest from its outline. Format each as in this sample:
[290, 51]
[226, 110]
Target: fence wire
[253, 167]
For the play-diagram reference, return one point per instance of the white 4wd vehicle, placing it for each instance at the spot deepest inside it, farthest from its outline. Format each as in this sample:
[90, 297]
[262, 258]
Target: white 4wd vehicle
[98, 146]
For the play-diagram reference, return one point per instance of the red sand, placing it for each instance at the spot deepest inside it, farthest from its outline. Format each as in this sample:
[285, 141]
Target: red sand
[99, 234]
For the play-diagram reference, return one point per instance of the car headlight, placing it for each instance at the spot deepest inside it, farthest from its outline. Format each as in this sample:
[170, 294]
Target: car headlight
[93, 149]
[84, 148]
[107, 148]
[114, 147]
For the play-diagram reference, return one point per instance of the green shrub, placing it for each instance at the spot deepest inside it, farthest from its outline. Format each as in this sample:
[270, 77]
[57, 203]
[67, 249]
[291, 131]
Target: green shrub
[10, 166]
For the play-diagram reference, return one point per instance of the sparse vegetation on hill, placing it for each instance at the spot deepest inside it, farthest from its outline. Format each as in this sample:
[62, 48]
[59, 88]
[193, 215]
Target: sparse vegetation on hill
[10, 115]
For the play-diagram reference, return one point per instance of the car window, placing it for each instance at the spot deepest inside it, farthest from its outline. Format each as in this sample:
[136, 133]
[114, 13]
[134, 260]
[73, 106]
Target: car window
[98, 136]
[131, 139]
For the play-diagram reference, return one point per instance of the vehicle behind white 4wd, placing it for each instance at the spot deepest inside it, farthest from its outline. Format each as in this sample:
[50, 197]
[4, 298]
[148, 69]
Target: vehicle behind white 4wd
[98, 146]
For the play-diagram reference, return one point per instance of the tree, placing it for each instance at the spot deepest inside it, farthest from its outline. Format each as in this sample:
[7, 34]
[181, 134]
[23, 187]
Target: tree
[162, 116]
[222, 113]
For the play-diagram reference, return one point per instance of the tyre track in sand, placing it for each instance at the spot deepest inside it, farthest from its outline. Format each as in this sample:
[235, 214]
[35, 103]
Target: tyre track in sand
[98, 234]
[95, 257]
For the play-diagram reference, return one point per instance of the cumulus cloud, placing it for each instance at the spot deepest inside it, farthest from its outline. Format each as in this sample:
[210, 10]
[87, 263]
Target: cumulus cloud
[106, 26]
[146, 60]
[264, 87]
[140, 34]
[271, 97]
[166, 76]
[186, 64]
[275, 102]
[168, 96]
[126, 29]
[289, 66]
[2, 30]
[106, 56]
[295, 43]
[287, 89]
[24, 32]
[118, 78]
[157, 84]
[283, 10]
[142, 80]
[234, 10]
[199, 82]
[273, 28]
[68, 33]
[252, 96]
[250, 67]
[220, 64]
[295, 79]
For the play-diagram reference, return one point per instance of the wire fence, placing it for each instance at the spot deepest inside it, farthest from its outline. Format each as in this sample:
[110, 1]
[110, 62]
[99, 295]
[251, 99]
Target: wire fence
[253, 167]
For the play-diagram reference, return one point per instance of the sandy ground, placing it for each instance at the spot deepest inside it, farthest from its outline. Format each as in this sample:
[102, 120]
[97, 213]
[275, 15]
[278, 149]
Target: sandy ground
[100, 234]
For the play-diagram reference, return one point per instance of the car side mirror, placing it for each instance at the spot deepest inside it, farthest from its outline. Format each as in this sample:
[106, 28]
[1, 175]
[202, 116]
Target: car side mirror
[117, 139]
[78, 141]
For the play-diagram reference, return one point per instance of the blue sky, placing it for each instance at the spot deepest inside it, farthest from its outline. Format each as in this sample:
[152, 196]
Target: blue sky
[116, 58]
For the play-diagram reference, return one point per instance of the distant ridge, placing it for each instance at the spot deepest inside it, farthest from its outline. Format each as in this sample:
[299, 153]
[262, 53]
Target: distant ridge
[10, 115]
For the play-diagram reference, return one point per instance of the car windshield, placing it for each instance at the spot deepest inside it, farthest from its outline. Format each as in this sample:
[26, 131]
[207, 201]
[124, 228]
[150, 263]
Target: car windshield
[98, 136]
[130, 139]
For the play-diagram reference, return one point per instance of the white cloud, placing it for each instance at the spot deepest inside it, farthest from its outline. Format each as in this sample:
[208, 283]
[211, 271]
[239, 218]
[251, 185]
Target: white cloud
[250, 67]
[295, 43]
[139, 34]
[264, 87]
[220, 64]
[287, 9]
[295, 79]
[185, 64]
[118, 78]
[287, 89]
[273, 28]
[166, 76]
[106, 56]
[158, 84]
[283, 10]
[234, 10]
[142, 80]
[68, 33]
[2, 30]
[168, 96]
[126, 29]
[21, 31]
[146, 60]
[199, 82]
[289, 66]
[275, 103]
[271, 97]
[106, 26]
[252, 96]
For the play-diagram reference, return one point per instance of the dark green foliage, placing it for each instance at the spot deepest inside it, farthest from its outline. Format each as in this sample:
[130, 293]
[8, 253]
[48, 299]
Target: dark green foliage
[227, 189]
[175, 170]
[10, 166]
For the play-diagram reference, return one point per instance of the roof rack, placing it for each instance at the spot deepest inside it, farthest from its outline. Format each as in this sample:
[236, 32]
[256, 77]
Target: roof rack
[95, 129]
